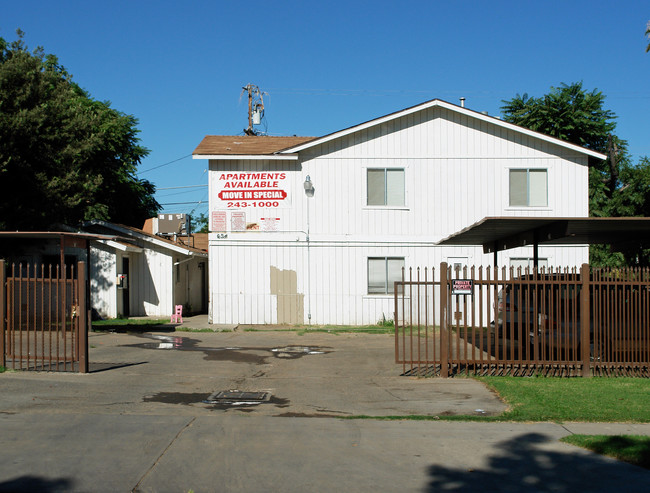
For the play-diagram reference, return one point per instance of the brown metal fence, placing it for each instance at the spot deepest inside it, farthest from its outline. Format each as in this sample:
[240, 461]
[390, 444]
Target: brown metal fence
[43, 317]
[492, 321]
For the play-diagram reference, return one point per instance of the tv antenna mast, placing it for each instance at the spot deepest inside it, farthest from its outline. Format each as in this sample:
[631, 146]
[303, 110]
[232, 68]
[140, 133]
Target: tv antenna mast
[255, 107]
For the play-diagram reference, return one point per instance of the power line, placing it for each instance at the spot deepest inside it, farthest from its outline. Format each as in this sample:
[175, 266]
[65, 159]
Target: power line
[185, 186]
[161, 165]
[183, 203]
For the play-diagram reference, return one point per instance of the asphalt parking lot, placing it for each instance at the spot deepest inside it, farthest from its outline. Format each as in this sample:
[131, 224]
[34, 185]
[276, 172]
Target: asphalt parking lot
[251, 411]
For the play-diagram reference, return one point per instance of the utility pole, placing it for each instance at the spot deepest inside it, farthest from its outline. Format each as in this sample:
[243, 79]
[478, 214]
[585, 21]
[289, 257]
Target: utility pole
[255, 107]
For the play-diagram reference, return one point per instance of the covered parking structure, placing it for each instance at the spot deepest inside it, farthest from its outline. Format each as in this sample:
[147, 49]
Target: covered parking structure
[496, 234]
[489, 322]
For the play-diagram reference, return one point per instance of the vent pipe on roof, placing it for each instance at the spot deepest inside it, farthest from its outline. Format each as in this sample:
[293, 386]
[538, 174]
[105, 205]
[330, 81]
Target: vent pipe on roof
[462, 102]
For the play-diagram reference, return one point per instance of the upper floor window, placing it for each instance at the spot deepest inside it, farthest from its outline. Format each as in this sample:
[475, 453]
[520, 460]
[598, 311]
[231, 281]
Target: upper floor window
[528, 187]
[386, 186]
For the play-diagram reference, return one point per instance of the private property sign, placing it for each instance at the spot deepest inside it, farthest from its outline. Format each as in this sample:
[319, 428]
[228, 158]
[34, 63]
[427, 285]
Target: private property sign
[239, 190]
[462, 286]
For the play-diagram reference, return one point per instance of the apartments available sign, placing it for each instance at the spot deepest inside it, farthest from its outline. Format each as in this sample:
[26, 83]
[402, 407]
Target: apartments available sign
[239, 190]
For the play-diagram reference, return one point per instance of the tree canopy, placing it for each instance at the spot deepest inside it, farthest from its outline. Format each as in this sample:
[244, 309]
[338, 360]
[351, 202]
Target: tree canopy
[616, 186]
[64, 156]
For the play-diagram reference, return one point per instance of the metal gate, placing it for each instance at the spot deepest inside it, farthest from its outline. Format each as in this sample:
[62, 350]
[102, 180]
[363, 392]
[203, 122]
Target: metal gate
[43, 317]
[565, 322]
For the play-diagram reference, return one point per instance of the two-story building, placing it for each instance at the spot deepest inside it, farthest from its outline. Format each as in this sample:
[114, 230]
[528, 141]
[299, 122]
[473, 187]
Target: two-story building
[316, 230]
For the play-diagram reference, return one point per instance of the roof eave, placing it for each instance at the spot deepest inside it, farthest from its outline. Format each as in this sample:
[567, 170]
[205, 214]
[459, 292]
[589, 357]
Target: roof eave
[247, 157]
[452, 107]
[151, 239]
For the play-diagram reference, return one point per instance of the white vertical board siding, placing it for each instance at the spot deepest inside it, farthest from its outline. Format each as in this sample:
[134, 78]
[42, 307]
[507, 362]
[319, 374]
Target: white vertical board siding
[151, 286]
[456, 173]
[103, 272]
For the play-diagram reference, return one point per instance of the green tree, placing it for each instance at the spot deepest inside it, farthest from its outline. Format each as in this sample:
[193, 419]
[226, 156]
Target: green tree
[200, 223]
[616, 187]
[64, 156]
[572, 114]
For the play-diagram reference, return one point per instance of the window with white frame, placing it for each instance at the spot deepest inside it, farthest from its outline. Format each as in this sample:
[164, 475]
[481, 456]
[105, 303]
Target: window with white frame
[524, 262]
[386, 187]
[382, 274]
[528, 187]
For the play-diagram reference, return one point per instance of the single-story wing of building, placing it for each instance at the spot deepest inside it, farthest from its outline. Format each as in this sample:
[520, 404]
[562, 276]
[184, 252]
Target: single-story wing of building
[142, 274]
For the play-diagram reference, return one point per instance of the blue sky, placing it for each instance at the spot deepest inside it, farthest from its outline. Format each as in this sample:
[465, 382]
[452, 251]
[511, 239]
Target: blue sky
[179, 66]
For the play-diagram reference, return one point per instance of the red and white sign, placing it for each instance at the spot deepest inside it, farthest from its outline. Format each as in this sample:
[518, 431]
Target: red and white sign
[237, 221]
[219, 221]
[270, 223]
[239, 190]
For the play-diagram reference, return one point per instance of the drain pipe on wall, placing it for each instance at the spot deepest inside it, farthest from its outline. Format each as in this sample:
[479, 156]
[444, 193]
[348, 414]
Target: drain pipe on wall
[309, 192]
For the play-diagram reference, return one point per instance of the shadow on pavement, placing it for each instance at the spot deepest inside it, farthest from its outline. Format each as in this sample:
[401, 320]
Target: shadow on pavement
[34, 483]
[522, 465]
[99, 367]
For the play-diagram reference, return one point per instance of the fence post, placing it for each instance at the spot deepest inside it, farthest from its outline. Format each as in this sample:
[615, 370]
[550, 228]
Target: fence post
[444, 337]
[585, 322]
[82, 326]
[3, 300]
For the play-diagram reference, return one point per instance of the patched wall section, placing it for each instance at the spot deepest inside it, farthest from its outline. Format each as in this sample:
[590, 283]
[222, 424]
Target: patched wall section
[291, 304]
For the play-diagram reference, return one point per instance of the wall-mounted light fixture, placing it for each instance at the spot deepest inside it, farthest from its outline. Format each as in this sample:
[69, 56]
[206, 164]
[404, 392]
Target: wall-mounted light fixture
[309, 187]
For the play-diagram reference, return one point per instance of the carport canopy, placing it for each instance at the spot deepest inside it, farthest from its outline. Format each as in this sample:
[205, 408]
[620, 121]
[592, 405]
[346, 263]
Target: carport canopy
[503, 233]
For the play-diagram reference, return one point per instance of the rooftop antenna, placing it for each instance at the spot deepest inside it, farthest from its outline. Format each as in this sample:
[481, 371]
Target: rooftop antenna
[255, 107]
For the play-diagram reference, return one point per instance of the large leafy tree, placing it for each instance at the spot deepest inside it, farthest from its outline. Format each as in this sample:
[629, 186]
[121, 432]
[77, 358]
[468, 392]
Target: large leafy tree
[572, 114]
[64, 156]
[616, 187]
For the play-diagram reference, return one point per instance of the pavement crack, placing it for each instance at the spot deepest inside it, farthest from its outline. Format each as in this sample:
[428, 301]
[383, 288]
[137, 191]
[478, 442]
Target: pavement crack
[567, 429]
[136, 488]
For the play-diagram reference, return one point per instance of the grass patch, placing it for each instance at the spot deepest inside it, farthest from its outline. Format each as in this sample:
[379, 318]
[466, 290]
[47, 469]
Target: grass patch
[573, 399]
[190, 329]
[544, 399]
[329, 329]
[349, 329]
[128, 324]
[629, 448]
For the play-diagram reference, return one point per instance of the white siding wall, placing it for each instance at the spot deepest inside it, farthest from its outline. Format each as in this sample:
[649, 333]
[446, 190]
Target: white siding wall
[456, 171]
[103, 271]
[334, 283]
[151, 289]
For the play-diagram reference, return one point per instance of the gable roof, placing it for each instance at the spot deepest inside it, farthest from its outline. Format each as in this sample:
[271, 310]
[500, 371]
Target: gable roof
[448, 106]
[131, 232]
[249, 146]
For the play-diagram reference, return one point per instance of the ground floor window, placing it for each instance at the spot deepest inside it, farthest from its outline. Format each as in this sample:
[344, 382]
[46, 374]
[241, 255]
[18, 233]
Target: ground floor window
[382, 274]
[524, 262]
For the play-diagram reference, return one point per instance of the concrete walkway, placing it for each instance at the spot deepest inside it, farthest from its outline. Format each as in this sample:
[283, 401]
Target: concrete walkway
[147, 418]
